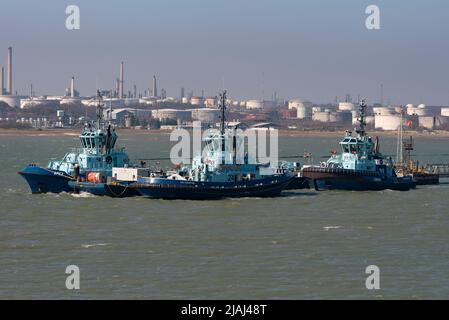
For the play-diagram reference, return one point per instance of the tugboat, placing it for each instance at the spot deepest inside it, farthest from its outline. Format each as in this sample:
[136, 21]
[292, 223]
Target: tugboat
[217, 175]
[86, 168]
[359, 167]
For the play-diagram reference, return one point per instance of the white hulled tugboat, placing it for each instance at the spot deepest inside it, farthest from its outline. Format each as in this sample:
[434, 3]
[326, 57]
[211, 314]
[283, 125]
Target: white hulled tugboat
[217, 174]
[360, 166]
[91, 164]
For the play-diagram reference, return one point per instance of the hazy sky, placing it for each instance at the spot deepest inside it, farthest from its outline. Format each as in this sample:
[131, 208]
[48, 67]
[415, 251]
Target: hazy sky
[314, 49]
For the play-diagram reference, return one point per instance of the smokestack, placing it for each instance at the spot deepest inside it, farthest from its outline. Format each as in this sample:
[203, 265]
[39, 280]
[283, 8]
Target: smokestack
[154, 87]
[117, 87]
[2, 82]
[9, 90]
[72, 87]
[122, 80]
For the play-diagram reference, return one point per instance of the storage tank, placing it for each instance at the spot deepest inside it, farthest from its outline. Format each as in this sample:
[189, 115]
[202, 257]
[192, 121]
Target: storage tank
[427, 122]
[382, 111]
[316, 109]
[173, 114]
[12, 101]
[209, 115]
[197, 101]
[346, 106]
[184, 100]
[260, 104]
[211, 102]
[387, 122]
[303, 112]
[410, 109]
[445, 111]
[421, 112]
[298, 103]
[441, 121]
[322, 116]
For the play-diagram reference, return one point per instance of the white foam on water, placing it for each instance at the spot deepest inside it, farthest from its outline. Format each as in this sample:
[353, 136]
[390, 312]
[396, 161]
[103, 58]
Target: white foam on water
[83, 195]
[332, 227]
[87, 246]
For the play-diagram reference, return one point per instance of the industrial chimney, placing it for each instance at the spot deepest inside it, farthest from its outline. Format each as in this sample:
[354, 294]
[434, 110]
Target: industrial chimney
[2, 82]
[72, 88]
[122, 80]
[154, 87]
[9, 90]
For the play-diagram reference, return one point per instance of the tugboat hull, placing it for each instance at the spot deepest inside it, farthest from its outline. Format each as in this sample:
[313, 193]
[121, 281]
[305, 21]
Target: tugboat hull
[104, 189]
[354, 180]
[426, 178]
[43, 180]
[298, 183]
[193, 190]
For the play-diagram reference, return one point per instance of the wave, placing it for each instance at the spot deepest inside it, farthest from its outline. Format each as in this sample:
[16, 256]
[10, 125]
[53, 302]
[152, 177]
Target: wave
[87, 246]
[83, 194]
[327, 228]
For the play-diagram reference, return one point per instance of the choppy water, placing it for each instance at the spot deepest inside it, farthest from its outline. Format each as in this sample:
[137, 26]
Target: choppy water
[301, 245]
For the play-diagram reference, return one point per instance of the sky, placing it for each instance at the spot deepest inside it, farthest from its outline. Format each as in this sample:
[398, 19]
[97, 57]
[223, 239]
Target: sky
[313, 49]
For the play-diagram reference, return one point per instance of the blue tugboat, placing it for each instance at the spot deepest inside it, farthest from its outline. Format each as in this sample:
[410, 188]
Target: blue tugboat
[90, 165]
[217, 174]
[359, 167]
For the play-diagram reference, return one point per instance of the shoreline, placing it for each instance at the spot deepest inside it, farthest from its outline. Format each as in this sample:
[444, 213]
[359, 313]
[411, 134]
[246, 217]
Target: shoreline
[282, 133]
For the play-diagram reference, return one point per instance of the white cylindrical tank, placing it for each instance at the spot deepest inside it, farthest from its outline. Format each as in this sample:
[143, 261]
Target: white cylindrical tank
[427, 122]
[384, 111]
[211, 102]
[208, 115]
[387, 122]
[316, 109]
[303, 112]
[197, 101]
[445, 111]
[346, 106]
[322, 116]
[12, 101]
[174, 114]
[298, 103]
[260, 104]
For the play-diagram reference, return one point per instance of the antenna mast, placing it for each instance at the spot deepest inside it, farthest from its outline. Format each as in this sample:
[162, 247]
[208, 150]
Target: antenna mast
[99, 109]
[361, 129]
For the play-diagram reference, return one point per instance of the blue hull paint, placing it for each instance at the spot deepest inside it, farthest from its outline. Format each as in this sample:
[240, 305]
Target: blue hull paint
[362, 184]
[192, 190]
[43, 180]
[103, 189]
[298, 183]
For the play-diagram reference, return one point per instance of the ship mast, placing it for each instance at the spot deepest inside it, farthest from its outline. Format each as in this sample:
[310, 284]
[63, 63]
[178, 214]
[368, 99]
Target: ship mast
[222, 109]
[361, 129]
[99, 109]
